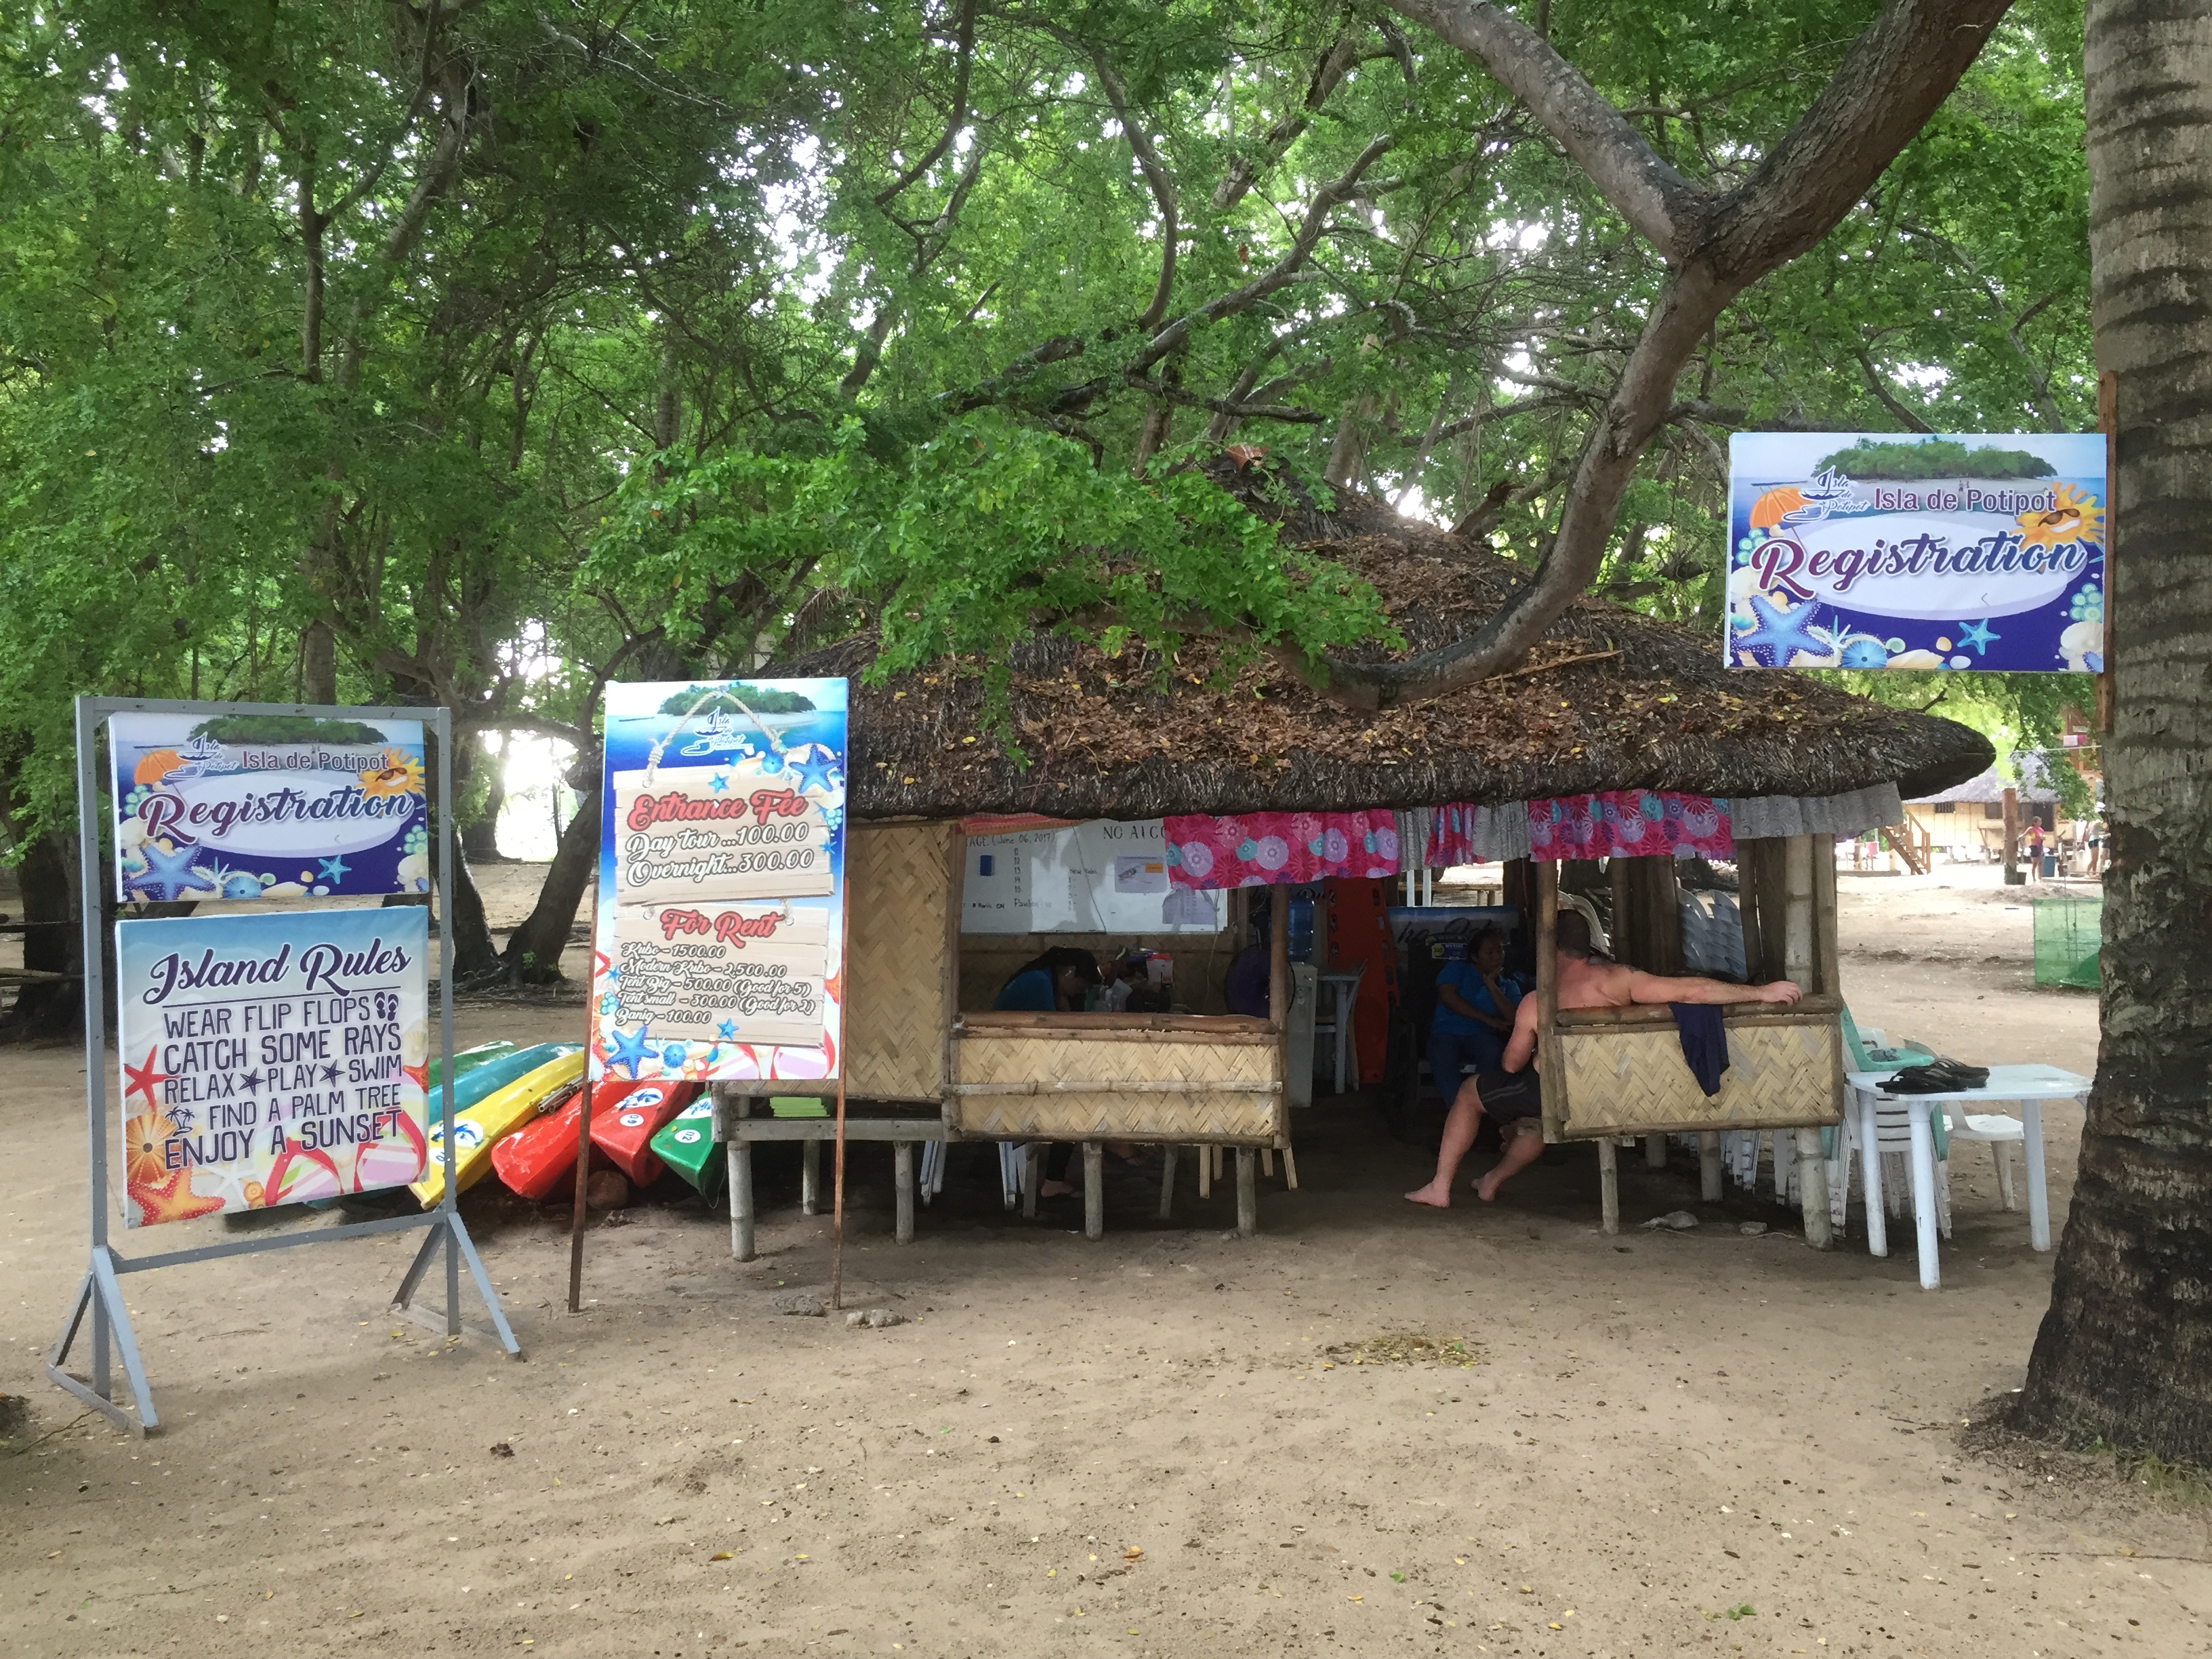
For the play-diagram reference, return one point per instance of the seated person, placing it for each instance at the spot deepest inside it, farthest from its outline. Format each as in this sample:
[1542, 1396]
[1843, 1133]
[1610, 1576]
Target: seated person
[1053, 983]
[1247, 990]
[1513, 1095]
[1475, 1002]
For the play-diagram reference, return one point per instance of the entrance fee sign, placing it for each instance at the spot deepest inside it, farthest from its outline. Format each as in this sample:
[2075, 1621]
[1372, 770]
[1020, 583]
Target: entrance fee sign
[691, 831]
[267, 806]
[1882, 550]
[721, 881]
[269, 1058]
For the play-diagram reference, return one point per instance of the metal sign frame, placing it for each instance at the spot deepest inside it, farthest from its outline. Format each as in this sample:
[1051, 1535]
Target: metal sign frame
[99, 1293]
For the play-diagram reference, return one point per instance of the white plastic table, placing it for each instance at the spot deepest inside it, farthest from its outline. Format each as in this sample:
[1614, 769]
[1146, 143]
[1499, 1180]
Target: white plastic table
[2029, 1086]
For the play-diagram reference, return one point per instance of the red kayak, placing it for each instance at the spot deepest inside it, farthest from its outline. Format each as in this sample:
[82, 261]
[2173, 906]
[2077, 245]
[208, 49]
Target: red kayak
[626, 1115]
[537, 1158]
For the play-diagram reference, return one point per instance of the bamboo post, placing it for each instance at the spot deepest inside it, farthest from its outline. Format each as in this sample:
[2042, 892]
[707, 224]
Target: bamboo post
[1747, 864]
[1205, 1172]
[1032, 1178]
[1800, 963]
[741, 1199]
[809, 1177]
[903, 1178]
[1626, 943]
[1609, 1184]
[1247, 1193]
[838, 1179]
[1550, 1072]
[576, 1214]
[1279, 995]
[1709, 1165]
[1094, 1190]
[2012, 875]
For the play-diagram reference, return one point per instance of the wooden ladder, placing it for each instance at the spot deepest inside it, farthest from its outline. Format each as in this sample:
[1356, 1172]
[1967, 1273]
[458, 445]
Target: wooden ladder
[1899, 839]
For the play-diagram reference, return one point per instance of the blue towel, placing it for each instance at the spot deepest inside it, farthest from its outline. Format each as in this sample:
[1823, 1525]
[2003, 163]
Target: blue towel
[1704, 1043]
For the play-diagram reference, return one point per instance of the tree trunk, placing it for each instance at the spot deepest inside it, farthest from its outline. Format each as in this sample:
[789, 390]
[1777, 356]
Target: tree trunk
[480, 840]
[476, 957]
[2125, 1351]
[533, 954]
[53, 943]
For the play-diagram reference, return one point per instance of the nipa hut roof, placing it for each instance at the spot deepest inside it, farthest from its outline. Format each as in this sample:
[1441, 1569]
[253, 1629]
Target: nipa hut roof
[1988, 787]
[1106, 737]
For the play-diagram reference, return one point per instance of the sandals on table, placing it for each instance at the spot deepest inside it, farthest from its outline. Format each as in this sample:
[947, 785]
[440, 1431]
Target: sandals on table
[1937, 1077]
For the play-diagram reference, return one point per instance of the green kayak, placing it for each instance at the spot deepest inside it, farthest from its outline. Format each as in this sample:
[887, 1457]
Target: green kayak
[686, 1144]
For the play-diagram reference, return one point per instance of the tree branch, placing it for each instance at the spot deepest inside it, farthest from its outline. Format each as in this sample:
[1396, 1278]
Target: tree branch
[1156, 177]
[1284, 272]
[1244, 171]
[1666, 208]
[1885, 397]
[965, 37]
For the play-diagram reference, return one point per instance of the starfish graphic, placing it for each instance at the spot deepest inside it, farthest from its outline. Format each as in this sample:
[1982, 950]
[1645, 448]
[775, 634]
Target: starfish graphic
[1978, 636]
[334, 869]
[817, 770]
[330, 1074]
[143, 1077]
[630, 1051]
[168, 875]
[250, 1082]
[1782, 629]
[719, 781]
[728, 1030]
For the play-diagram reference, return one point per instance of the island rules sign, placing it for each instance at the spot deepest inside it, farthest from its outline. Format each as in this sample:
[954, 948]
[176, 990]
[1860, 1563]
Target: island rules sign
[269, 1058]
[1865, 550]
[267, 806]
[721, 876]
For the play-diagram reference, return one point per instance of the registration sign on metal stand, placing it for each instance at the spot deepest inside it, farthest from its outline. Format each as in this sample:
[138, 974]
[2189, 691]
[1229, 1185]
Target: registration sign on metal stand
[270, 1056]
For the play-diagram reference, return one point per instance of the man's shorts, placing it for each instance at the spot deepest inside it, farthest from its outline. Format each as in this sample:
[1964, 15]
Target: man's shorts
[1511, 1096]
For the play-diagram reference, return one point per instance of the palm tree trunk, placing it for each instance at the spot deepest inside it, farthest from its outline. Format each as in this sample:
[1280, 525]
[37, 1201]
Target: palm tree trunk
[2125, 1351]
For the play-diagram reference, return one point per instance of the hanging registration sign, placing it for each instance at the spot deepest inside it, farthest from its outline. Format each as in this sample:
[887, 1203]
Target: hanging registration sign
[267, 806]
[721, 863]
[1949, 551]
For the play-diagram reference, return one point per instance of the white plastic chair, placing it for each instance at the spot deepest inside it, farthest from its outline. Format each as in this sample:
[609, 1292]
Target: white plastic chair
[2000, 1133]
[1344, 988]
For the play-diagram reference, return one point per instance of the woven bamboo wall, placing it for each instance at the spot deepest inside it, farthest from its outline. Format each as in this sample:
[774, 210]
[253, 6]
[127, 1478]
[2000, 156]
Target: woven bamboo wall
[1249, 1115]
[1636, 1082]
[900, 962]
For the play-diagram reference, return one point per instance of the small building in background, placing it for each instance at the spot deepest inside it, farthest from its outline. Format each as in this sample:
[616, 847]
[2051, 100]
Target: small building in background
[1967, 822]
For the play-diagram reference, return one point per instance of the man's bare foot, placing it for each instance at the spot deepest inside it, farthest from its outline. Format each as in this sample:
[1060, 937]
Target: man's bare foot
[1486, 1188]
[1436, 1194]
[1055, 1189]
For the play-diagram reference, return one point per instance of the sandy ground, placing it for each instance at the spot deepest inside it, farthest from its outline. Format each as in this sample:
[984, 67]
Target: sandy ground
[1704, 1442]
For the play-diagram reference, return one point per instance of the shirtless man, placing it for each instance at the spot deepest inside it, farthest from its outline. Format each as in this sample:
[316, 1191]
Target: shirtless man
[1513, 1097]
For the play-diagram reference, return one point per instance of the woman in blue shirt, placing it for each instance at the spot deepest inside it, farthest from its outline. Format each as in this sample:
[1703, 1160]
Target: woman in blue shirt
[1475, 1002]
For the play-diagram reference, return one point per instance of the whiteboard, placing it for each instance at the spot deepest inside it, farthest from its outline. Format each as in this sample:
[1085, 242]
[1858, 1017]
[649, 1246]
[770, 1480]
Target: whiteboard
[1104, 877]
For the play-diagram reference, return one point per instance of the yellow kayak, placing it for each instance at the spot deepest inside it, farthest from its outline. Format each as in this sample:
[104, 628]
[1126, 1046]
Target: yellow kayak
[499, 1113]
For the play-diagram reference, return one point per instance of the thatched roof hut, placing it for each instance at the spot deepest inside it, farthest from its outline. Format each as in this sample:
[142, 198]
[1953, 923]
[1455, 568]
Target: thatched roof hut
[1647, 706]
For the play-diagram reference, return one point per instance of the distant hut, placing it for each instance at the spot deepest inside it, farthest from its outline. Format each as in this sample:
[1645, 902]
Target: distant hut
[1609, 701]
[1968, 819]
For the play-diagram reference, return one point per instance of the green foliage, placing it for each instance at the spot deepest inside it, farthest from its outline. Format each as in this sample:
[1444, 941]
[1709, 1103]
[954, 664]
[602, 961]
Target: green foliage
[1934, 458]
[553, 346]
[761, 700]
[286, 728]
[958, 544]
